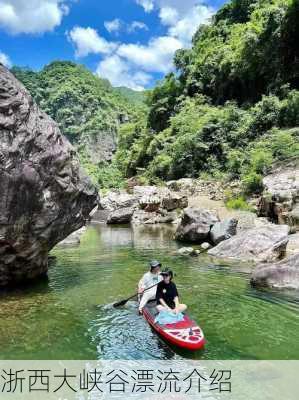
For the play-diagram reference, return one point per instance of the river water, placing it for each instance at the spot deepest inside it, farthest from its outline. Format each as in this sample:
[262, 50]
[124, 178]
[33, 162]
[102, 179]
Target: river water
[71, 315]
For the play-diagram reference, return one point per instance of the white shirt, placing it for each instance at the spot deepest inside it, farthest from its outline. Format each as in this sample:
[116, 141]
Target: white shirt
[149, 280]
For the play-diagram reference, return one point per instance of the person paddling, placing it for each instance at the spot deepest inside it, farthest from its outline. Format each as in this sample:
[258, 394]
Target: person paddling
[149, 279]
[167, 295]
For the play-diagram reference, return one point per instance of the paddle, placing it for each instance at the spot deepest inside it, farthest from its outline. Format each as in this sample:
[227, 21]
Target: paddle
[123, 302]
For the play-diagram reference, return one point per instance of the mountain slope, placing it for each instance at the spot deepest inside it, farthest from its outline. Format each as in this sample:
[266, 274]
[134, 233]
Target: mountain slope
[88, 109]
[131, 95]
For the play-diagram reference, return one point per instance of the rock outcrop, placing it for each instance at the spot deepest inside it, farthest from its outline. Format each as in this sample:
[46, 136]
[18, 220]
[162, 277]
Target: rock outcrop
[120, 216]
[265, 244]
[283, 274]
[153, 198]
[149, 205]
[155, 217]
[280, 200]
[224, 230]
[195, 225]
[116, 199]
[293, 245]
[44, 194]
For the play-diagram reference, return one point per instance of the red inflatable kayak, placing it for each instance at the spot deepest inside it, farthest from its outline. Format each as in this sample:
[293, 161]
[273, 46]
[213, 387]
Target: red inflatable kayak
[185, 334]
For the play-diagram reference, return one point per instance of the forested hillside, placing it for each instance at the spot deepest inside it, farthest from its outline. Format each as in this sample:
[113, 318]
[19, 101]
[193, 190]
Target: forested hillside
[88, 110]
[131, 95]
[230, 110]
[232, 107]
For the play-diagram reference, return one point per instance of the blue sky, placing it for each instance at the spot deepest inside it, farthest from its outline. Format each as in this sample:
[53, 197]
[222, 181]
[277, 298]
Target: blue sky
[129, 42]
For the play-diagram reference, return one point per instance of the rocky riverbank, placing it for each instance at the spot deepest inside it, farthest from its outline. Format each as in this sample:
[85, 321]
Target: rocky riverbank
[145, 205]
[198, 210]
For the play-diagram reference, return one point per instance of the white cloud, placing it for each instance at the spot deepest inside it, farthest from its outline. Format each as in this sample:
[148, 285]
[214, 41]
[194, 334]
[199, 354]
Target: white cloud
[113, 26]
[120, 73]
[4, 59]
[31, 16]
[117, 25]
[135, 25]
[168, 15]
[88, 41]
[185, 27]
[133, 64]
[182, 17]
[148, 5]
[155, 57]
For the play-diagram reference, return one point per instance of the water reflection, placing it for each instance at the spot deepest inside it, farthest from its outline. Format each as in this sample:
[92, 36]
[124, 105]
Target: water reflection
[69, 316]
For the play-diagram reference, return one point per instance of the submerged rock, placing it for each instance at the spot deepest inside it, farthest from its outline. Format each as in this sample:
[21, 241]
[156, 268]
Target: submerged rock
[205, 246]
[283, 274]
[265, 244]
[44, 194]
[188, 251]
[224, 230]
[73, 239]
[195, 225]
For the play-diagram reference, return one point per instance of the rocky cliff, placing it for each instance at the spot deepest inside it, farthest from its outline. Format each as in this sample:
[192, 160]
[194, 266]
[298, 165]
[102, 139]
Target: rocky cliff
[280, 200]
[44, 195]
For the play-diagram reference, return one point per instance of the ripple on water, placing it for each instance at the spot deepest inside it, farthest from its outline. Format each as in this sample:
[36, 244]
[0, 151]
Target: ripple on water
[71, 316]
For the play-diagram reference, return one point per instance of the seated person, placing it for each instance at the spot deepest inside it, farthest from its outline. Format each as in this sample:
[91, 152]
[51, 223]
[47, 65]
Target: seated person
[167, 295]
[151, 278]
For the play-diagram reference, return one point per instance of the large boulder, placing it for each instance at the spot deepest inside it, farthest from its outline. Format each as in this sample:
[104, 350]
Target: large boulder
[151, 218]
[283, 274]
[265, 244]
[279, 201]
[44, 194]
[152, 198]
[195, 225]
[224, 230]
[116, 199]
[120, 216]
[172, 201]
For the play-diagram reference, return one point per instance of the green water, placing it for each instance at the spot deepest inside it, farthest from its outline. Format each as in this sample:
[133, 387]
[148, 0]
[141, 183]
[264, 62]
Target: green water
[71, 317]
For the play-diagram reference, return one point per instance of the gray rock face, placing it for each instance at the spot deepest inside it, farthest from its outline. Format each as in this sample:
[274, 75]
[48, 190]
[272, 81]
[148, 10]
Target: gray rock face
[44, 195]
[117, 199]
[283, 274]
[120, 216]
[151, 198]
[265, 244]
[151, 218]
[101, 146]
[293, 245]
[224, 230]
[74, 239]
[280, 200]
[195, 225]
[150, 205]
[283, 183]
